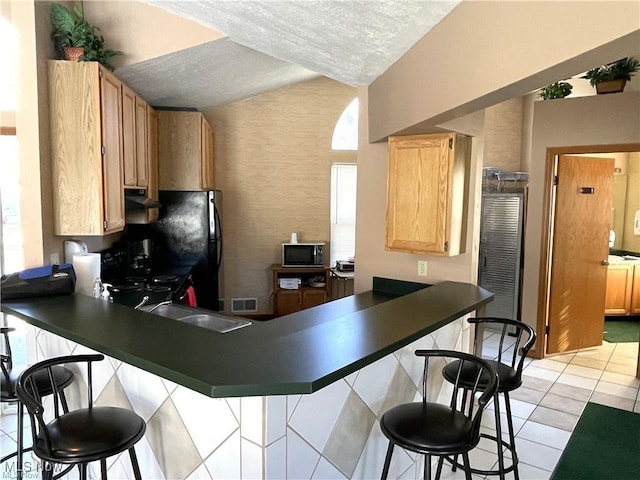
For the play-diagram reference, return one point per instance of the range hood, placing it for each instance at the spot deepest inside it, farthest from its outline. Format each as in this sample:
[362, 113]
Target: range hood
[137, 199]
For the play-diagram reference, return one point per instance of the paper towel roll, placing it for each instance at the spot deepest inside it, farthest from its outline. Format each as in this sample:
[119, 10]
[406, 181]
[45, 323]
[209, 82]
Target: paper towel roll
[87, 268]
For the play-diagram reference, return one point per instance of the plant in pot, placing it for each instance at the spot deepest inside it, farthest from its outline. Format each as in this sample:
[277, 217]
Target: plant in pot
[555, 90]
[612, 77]
[76, 39]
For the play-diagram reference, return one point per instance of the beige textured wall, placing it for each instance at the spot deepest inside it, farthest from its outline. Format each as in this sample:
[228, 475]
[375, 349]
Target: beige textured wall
[503, 135]
[273, 161]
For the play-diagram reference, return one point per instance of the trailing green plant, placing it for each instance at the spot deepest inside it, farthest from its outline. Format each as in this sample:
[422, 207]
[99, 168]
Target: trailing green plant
[622, 69]
[71, 29]
[556, 90]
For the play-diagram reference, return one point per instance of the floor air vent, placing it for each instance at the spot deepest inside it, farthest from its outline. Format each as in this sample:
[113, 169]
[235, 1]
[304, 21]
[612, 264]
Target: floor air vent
[244, 305]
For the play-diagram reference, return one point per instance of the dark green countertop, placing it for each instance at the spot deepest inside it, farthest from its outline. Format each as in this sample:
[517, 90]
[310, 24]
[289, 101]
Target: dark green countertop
[295, 354]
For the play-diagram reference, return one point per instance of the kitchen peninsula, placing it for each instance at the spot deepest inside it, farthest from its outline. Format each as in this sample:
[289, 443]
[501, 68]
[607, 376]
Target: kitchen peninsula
[298, 396]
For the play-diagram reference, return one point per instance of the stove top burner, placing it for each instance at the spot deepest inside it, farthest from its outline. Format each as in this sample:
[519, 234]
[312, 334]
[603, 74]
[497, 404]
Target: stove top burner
[128, 288]
[164, 279]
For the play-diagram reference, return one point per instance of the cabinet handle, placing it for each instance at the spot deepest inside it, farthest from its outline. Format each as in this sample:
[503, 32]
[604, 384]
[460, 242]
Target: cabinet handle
[605, 262]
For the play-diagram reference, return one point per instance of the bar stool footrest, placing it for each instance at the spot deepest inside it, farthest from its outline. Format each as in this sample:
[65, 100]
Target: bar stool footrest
[510, 468]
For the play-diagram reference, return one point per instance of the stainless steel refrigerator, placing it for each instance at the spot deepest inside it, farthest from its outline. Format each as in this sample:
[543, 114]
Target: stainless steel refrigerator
[189, 233]
[501, 247]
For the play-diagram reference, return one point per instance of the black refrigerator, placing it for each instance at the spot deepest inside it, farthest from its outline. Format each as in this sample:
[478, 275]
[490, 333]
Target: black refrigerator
[188, 233]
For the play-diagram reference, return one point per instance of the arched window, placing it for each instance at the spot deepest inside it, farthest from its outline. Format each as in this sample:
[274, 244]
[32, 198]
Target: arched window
[343, 187]
[345, 134]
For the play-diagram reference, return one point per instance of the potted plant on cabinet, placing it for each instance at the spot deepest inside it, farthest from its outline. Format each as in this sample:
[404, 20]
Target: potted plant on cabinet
[555, 90]
[76, 39]
[612, 77]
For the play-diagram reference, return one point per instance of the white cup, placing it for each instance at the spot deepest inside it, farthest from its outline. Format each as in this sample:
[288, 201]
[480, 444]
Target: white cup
[294, 238]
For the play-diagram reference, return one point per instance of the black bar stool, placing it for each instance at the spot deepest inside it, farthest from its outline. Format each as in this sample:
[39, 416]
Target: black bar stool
[62, 378]
[516, 339]
[80, 436]
[432, 428]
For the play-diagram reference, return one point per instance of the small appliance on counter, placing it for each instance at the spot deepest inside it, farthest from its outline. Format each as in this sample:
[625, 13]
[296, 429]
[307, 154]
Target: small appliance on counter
[345, 265]
[74, 247]
[307, 254]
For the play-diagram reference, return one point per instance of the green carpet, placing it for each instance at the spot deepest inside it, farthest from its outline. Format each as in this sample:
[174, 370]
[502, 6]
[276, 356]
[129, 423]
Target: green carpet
[621, 331]
[605, 445]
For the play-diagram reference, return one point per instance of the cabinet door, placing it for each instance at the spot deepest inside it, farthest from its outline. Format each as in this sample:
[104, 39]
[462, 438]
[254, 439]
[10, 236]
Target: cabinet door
[142, 156]
[425, 193]
[111, 103]
[129, 136]
[619, 283]
[635, 291]
[287, 301]
[180, 149]
[152, 150]
[208, 156]
[313, 297]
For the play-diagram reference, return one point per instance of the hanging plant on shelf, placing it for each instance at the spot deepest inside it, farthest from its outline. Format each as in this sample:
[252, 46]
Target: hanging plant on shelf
[612, 77]
[76, 39]
[556, 90]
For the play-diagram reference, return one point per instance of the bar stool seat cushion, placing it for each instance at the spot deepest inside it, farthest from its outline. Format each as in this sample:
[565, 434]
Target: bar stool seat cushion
[91, 433]
[427, 427]
[508, 378]
[62, 376]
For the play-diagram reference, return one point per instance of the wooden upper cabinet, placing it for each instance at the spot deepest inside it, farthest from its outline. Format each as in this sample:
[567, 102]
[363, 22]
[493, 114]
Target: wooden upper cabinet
[186, 157]
[142, 149]
[129, 137]
[208, 155]
[152, 150]
[85, 107]
[427, 193]
[134, 139]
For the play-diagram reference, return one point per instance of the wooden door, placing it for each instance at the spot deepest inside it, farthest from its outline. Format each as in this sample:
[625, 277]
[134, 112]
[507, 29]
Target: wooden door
[618, 293]
[287, 301]
[311, 298]
[142, 155]
[580, 249]
[129, 136]
[111, 105]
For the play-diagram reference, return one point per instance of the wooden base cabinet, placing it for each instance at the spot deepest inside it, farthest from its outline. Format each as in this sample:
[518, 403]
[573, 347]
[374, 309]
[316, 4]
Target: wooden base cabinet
[623, 289]
[426, 193]
[287, 300]
[85, 106]
[186, 151]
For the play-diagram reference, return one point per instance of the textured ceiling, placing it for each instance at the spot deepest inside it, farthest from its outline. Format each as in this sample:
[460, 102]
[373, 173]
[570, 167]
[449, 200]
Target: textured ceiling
[272, 43]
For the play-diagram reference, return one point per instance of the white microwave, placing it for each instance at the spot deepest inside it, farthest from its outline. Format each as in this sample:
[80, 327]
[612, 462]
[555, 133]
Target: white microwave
[310, 254]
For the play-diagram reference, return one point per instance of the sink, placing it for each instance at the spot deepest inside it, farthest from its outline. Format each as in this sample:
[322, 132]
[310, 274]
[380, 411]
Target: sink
[198, 317]
[214, 322]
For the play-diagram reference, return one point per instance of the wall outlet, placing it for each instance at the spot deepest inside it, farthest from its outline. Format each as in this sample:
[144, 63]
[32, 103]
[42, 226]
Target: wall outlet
[54, 259]
[422, 268]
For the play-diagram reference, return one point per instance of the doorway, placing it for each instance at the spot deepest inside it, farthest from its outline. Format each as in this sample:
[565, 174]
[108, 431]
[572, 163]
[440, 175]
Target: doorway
[547, 253]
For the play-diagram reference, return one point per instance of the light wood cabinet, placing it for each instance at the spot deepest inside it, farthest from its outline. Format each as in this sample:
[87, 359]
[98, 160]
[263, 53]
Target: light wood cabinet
[427, 193]
[306, 295]
[186, 151]
[85, 105]
[635, 291]
[134, 139]
[152, 149]
[619, 288]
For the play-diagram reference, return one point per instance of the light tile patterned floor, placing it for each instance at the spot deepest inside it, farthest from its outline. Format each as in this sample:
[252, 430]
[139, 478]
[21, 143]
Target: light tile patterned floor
[545, 409]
